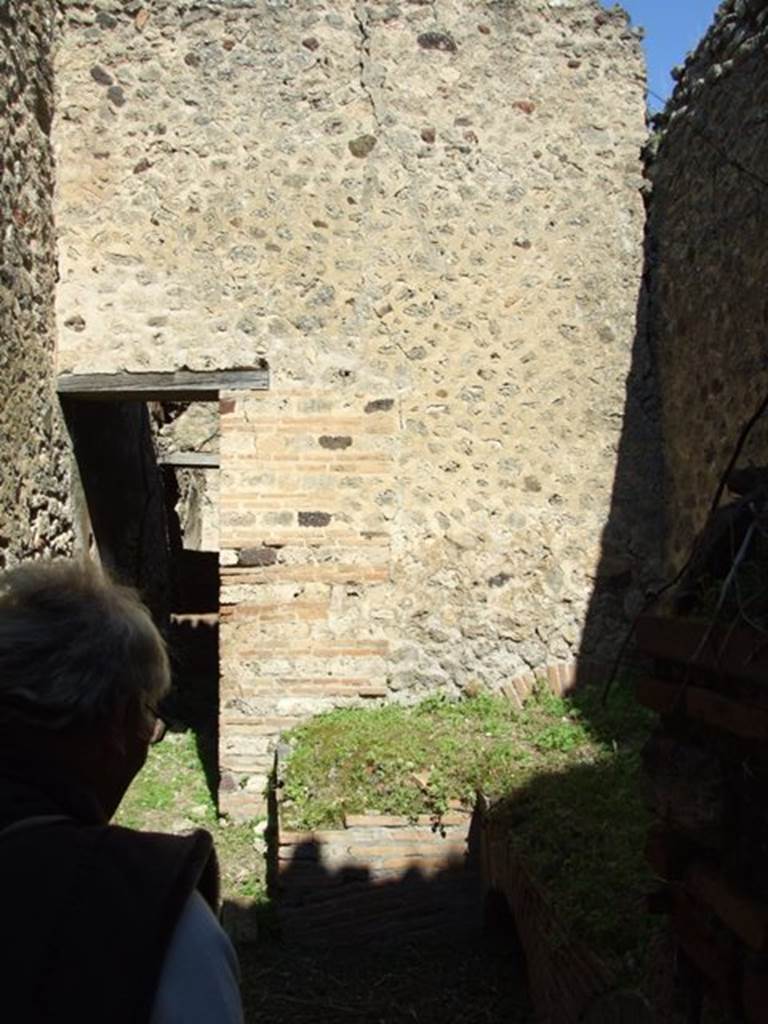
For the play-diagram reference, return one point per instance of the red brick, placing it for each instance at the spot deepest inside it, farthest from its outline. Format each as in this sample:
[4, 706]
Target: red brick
[376, 820]
[704, 947]
[553, 680]
[289, 838]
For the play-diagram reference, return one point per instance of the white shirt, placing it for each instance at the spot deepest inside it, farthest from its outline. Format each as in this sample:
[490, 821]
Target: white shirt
[199, 980]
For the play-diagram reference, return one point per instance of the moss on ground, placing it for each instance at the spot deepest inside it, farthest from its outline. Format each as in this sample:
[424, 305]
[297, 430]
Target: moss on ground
[415, 760]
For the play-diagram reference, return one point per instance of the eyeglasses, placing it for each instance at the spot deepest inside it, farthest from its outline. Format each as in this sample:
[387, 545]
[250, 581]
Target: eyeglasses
[160, 726]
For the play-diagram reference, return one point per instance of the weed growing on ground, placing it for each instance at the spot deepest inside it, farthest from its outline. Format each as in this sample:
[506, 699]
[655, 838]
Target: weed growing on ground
[170, 790]
[415, 760]
[170, 794]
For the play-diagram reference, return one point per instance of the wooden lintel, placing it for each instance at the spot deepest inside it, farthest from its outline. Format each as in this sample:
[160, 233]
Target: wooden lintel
[171, 386]
[190, 460]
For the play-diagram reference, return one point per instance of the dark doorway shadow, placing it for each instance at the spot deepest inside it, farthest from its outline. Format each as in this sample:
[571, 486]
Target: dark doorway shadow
[123, 489]
[131, 511]
[193, 702]
[193, 640]
[632, 544]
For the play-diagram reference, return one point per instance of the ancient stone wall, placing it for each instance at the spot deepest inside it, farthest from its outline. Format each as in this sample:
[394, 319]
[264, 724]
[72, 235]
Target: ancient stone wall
[709, 263]
[34, 484]
[426, 216]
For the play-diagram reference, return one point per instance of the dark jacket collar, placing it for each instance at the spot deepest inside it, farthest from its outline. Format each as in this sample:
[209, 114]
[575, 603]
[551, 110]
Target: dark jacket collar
[32, 788]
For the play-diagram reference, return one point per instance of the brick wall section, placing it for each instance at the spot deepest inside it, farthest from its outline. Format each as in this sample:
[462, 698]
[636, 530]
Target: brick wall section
[307, 622]
[306, 556]
[35, 518]
[382, 877]
[705, 780]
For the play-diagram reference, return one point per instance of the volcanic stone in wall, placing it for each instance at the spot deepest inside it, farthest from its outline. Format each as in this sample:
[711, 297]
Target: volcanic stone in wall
[35, 516]
[423, 216]
[708, 163]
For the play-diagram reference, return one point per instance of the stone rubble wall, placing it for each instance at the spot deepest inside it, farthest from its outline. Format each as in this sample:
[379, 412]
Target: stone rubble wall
[193, 428]
[432, 207]
[35, 517]
[709, 264]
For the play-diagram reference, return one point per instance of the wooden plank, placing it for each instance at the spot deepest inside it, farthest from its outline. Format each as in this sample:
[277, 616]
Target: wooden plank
[739, 911]
[620, 1007]
[739, 719]
[740, 653]
[709, 951]
[754, 991]
[660, 696]
[190, 460]
[171, 386]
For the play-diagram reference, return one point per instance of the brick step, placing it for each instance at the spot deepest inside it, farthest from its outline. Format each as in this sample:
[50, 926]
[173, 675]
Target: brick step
[406, 910]
[357, 896]
[323, 887]
[402, 924]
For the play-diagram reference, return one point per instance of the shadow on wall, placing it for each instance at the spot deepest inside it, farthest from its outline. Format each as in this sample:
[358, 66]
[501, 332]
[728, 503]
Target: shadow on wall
[347, 905]
[632, 543]
[123, 491]
[375, 881]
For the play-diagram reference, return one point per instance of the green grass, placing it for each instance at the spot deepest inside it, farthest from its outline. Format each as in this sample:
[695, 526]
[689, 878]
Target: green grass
[170, 788]
[170, 794]
[415, 760]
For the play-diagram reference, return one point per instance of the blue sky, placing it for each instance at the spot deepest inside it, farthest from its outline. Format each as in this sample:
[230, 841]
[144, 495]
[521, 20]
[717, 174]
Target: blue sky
[672, 27]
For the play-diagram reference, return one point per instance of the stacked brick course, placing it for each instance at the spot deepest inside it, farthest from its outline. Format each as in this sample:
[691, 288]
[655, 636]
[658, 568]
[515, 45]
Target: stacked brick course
[565, 977]
[306, 557]
[706, 780]
[381, 877]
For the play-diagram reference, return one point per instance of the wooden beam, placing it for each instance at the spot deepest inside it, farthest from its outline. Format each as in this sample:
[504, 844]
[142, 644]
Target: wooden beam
[190, 460]
[740, 653]
[172, 386]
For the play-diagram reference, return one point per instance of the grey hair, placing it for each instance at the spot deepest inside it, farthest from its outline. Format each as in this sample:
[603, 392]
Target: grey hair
[73, 645]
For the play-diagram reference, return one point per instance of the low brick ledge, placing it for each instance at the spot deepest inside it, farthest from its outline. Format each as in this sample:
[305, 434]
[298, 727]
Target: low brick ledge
[382, 876]
[568, 982]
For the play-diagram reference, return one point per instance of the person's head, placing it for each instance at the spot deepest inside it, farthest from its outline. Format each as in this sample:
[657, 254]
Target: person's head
[82, 669]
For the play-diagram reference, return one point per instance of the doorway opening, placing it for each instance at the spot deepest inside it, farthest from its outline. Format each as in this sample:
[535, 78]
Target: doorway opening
[146, 503]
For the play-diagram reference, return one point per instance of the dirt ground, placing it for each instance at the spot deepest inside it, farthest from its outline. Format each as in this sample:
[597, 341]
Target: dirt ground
[476, 982]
